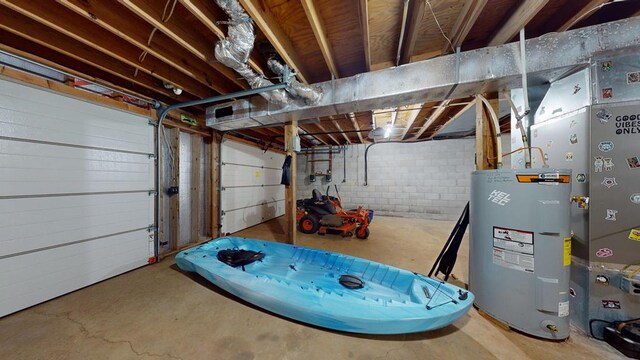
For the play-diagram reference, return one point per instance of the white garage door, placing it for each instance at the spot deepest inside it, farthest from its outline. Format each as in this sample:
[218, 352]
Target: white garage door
[251, 190]
[75, 202]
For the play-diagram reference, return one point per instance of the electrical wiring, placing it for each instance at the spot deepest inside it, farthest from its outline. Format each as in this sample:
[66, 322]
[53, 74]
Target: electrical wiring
[440, 27]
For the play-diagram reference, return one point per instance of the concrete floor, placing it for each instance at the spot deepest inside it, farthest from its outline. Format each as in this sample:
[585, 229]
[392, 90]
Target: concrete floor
[159, 312]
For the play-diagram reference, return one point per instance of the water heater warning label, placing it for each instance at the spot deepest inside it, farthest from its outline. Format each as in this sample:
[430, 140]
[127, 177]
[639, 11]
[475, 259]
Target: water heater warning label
[513, 249]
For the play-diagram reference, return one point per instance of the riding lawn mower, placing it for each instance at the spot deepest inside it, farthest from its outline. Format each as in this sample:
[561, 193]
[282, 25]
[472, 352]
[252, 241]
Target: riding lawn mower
[324, 214]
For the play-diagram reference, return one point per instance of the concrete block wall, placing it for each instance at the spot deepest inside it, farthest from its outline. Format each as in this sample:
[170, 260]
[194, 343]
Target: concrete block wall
[428, 180]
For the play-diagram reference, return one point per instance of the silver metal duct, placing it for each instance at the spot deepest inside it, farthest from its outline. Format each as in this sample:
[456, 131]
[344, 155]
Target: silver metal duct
[488, 69]
[235, 49]
[310, 94]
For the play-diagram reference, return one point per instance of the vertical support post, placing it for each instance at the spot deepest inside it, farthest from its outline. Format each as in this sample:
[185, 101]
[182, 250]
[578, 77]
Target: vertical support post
[208, 189]
[215, 184]
[196, 148]
[291, 232]
[174, 200]
[485, 134]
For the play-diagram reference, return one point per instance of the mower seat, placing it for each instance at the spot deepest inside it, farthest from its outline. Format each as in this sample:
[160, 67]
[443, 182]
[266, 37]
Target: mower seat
[320, 206]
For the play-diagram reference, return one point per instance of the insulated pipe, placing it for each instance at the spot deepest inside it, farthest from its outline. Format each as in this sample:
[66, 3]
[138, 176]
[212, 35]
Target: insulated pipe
[163, 114]
[234, 50]
[496, 126]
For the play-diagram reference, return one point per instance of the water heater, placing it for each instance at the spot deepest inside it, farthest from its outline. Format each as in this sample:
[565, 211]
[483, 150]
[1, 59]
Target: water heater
[520, 248]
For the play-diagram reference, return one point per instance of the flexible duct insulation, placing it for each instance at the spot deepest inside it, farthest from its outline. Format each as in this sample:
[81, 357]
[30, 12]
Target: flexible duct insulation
[234, 52]
[311, 95]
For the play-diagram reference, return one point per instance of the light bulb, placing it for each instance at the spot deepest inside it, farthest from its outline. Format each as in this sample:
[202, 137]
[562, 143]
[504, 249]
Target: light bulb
[387, 131]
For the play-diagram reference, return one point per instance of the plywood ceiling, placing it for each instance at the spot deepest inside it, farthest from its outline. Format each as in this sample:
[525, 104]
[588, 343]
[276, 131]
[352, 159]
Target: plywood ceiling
[138, 45]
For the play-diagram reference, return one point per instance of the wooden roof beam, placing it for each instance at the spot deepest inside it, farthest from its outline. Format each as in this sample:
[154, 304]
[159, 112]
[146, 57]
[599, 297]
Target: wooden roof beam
[330, 136]
[416, 14]
[178, 30]
[305, 128]
[115, 22]
[413, 115]
[472, 103]
[274, 33]
[464, 23]
[587, 8]
[321, 35]
[517, 21]
[363, 8]
[335, 123]
[25, 28]
[356, 126]
[84, 31]
[199, 9]
[435, 114]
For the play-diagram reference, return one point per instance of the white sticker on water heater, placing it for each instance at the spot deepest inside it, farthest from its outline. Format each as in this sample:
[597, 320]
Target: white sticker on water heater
[513, 249]
[563, 309]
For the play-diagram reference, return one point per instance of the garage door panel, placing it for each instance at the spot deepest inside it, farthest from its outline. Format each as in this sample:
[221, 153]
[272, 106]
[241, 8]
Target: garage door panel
[68, 268]
[29, 224]
[243, 175]
[238, 219]
[67, 120]
[239, 153]
[233, 198]
[75, 206]
[251, 185]
[64, 169]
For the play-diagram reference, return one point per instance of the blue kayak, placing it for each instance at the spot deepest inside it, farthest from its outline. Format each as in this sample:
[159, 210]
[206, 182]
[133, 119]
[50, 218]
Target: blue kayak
[327, 289]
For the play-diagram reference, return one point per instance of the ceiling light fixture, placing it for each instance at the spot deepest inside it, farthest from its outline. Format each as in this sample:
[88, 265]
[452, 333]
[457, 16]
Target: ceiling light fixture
[387, 130]
[169, 86]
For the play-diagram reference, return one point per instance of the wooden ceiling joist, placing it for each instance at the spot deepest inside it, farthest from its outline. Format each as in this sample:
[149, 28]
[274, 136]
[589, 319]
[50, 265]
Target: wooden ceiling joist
[413, 115]
[83, 30]
[363, 8]
[435, 114]
[517, 21]
[416, 11]
[356, 126]
[465, 21]
[453, 118]
[330, 136]
[180, 32]
[337, 125]
[274, 33]
[115, 19]
[201, 10]
[24, 27]
[28, 49]
[586, 9]
[306, 131]
[321, 35]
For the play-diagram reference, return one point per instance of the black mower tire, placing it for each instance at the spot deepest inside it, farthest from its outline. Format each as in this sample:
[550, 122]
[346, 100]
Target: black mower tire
[366, 233]
[308, 224]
